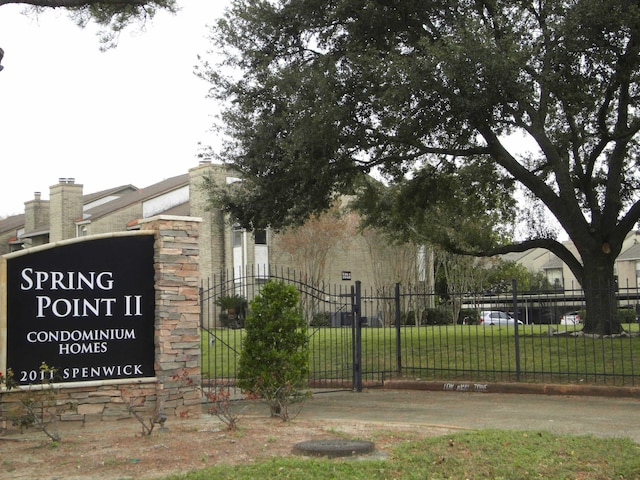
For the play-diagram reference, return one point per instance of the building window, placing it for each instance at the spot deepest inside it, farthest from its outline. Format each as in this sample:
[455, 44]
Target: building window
[261, 253]
[260, 237]
[237, 238]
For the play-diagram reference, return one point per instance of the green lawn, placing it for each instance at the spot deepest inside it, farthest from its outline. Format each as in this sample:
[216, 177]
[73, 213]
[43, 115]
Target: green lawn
[454, 352]
[484, 454]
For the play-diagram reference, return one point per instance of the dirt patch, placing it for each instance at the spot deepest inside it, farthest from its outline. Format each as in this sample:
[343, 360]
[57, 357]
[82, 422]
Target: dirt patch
[116, 449]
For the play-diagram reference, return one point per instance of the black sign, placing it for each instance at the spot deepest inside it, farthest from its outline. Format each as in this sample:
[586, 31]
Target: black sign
[84, 309]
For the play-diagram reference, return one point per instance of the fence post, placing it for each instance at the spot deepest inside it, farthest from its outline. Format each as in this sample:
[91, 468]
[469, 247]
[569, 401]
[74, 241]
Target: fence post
[514, 288]
[398, 340]
[357, 322]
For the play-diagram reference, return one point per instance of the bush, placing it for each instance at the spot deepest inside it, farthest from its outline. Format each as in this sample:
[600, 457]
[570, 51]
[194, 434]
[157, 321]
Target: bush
[468, 316]
[429, 316]
[437, 316]
[233, 310]
[275, 357]
[321, 319]
[627, 315]
[36, 405]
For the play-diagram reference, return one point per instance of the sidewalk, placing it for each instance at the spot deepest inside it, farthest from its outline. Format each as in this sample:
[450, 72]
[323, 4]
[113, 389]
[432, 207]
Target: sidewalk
[564, 414]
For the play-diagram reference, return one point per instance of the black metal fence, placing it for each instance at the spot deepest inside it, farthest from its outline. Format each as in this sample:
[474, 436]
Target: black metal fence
[364, 336]
[328, 310]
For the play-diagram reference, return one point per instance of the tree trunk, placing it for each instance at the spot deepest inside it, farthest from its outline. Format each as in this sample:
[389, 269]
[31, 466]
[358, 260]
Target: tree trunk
[600, 293]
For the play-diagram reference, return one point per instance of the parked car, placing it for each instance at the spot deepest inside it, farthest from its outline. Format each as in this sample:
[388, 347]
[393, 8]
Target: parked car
[570, 318]
[495, 317]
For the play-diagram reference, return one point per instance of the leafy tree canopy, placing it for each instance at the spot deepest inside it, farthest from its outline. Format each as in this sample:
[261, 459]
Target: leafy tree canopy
[320, 93]
[112, 15]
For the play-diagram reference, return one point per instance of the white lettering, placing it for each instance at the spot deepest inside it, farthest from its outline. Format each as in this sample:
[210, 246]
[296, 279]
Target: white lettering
[42, 304]
[102, 371]
[76, 307]
[56, 281]
[50, 336]
[28, 285]
[137, 305]
[39, 280]
[82, 348]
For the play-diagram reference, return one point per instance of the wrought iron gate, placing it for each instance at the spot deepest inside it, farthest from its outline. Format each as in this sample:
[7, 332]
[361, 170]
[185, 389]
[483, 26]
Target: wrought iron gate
[333, 316]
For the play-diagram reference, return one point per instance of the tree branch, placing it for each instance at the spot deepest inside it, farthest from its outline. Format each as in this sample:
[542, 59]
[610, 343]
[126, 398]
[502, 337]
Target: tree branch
[553, 246]
[75, 3]
[626, 223]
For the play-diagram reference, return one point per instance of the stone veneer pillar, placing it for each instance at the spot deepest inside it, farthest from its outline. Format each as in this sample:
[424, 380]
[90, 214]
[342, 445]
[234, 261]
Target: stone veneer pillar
[177, 336]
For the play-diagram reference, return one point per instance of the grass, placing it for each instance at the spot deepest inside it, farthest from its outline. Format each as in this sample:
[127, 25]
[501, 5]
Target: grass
[484, 454]
[453, 352]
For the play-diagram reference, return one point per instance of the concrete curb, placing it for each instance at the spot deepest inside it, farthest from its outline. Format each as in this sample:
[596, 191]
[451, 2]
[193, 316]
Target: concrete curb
[523, 388]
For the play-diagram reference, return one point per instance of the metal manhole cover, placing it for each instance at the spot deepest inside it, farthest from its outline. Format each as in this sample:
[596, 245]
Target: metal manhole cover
[334, 447]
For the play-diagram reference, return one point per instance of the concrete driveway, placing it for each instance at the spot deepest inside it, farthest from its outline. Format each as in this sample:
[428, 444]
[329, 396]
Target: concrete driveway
[565, 414]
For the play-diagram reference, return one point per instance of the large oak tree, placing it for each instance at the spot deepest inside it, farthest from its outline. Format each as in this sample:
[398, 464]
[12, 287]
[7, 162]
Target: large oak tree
[320, 92]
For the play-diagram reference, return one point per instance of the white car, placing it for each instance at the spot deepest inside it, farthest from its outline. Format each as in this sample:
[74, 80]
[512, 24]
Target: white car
[570, 318]
[495, 317]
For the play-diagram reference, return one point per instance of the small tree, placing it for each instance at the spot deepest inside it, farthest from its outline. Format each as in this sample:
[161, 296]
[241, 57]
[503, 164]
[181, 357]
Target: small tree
[233, 310]
[310, 245]
[275, 355]
[36, 405]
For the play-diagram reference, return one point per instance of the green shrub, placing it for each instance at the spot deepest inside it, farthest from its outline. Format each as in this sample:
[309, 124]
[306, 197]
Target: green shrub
[321, 319]
[429, 316]
[468, 316]
[627, 315]
[274, 362]
[437, 316]
[233, 310]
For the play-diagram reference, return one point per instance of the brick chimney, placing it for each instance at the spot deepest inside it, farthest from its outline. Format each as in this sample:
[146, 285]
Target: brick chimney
[36, 214]
[65, 200]
[214, 241]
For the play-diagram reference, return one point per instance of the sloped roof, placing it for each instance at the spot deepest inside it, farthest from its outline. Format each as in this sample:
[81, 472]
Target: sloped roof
[12, 223]
[138, 196]
[128, 195]
[92, 197]
[631, 253]
[515, 256]
[554, 263]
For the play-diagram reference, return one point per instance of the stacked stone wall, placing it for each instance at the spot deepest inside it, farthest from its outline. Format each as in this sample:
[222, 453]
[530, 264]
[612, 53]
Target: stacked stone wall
[177, 336]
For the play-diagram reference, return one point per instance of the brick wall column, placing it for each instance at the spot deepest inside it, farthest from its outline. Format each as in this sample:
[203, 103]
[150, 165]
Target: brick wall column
[177, 332]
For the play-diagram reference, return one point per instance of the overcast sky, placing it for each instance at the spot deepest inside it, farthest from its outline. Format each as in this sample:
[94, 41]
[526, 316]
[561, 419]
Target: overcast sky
[131, 115]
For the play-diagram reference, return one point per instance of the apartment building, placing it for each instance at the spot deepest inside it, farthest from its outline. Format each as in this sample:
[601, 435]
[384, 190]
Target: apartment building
[69, 212]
